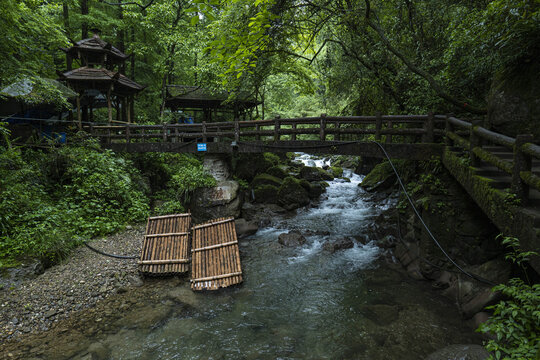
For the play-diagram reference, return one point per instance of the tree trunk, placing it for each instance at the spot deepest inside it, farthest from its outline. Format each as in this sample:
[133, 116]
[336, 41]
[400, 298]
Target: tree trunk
[84, 11]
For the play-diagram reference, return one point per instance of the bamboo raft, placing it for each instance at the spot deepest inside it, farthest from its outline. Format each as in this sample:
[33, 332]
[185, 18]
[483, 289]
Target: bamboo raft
[215, 255]
[165, 250]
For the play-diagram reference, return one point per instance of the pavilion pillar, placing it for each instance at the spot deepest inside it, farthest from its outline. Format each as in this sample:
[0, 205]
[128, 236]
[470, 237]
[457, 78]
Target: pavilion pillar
[128, 108]
[79, 120]
[109, 105]
[132, 106]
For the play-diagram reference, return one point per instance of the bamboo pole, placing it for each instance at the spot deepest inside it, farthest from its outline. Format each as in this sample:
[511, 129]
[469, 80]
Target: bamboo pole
[223, 276]
[215, 246]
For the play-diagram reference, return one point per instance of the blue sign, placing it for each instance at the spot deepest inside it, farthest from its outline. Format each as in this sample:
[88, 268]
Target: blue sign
[201, 146]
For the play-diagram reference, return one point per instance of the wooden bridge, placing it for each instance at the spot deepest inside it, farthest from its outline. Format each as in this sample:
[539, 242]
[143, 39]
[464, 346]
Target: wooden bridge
[501, 174]
[405, 136]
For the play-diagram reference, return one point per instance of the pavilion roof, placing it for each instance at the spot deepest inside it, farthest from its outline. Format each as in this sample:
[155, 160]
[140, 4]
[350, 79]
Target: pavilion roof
[97, 45]
[87, 77]
[200, 98]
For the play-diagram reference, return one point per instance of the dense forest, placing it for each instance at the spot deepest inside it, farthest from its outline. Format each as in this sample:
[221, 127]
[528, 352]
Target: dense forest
[299, 57]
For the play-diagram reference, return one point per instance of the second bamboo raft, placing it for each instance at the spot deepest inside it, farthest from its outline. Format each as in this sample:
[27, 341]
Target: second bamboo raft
[215, 255]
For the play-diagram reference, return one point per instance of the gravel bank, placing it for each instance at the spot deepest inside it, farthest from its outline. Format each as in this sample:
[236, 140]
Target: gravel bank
[35, 304]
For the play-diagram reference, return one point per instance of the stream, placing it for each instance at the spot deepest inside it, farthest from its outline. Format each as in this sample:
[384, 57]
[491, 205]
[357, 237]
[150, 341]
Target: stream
[297, 303]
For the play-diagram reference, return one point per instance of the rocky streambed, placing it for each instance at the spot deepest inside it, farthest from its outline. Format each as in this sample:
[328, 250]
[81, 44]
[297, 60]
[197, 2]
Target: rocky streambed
[319, 283]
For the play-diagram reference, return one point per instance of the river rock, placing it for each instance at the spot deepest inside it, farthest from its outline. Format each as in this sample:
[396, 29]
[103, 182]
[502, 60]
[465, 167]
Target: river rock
[266, 179]
[317, 188]
[381, 314]
[479, 302]
[245, 228]
[292, 195]
[267, 194]
[222, 200]
[99, 351]
[292, 238]
[314, 174]
[340, 244]
[279, 171]
[460, 352]
[380, 178]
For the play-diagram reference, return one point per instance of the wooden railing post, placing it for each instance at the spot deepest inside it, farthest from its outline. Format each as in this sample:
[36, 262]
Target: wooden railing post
[378, 126]
[388, 137]
[429, 127]
[236, 131]
[448, 129]
[337, 135]
[164, 133]
[522, 162]
[204, 132]
[128, 134]
[277, 127]
[258, 128]
[475, 141]
[176, 139]
[322, 130]
[293, 136]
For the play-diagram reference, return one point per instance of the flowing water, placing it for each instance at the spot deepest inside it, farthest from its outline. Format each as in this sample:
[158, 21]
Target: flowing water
[304, 302]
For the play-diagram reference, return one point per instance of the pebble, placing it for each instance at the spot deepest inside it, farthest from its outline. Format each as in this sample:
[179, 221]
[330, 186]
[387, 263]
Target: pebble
[77, 283]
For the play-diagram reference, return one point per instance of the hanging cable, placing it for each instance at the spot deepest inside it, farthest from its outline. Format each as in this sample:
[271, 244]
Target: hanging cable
[472, 276]
[124, 257]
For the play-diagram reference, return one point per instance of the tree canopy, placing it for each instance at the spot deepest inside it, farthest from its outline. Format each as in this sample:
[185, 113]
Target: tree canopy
[298, 56]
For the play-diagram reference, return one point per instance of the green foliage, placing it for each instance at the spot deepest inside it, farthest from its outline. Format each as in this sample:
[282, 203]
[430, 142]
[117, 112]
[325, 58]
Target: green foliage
[515, 323]
[49, 201]
[181, 174]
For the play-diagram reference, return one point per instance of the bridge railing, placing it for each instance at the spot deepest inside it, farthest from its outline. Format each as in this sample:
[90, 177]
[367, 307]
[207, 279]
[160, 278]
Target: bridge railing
[387, 128]
[516, 162]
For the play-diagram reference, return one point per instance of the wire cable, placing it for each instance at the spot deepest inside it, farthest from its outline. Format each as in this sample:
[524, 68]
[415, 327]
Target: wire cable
[123, 257]
[472, 276]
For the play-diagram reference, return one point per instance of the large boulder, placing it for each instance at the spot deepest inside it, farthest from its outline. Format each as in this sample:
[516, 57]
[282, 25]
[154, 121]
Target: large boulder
[222, 200]
[247, 166]
[292, 238]
[279, 171]
[380, 178]
[267, 194]
[266, 179]
[311, 173]
[292, 194]
[316, 189]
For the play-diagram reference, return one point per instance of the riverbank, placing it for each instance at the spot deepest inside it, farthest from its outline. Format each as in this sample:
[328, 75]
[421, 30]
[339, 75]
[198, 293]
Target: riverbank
[35, 304]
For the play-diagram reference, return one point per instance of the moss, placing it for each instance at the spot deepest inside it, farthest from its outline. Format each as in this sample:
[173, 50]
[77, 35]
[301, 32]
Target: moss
[530, 179]
[272, 158]
[492, 159]
[337, 171]
[314, 174]
[381, 173]
[266, 194]
[266, 179]
[305, 184]
[292, 194]
[279, 171]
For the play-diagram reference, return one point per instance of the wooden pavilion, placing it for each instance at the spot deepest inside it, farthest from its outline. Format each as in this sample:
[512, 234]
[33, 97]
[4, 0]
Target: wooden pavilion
[99, 80]
[204, 102]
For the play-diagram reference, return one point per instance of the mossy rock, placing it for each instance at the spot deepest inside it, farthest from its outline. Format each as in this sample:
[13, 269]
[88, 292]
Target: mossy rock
[292, 194]
[317, 189]
[272, 158]
[337, 171]
[279, 171]
[266, 179]
[267, 194]
[314, 174]
[247, 166]
[305, 184]
[381, 177]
